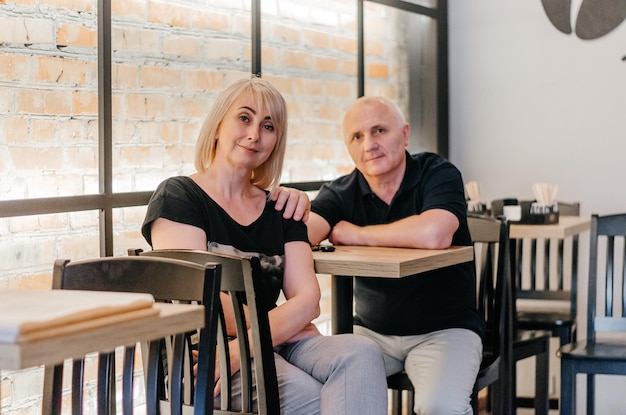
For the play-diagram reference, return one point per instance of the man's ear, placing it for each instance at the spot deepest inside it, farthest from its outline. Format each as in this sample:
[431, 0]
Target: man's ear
[406, 131]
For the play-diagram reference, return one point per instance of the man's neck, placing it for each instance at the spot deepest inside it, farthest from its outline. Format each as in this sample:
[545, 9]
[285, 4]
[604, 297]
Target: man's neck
[386, 186]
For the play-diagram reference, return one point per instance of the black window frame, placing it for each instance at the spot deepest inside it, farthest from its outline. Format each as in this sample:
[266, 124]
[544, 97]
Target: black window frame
[107, 200]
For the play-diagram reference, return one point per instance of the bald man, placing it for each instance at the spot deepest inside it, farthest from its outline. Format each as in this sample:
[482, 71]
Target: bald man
[426, 324]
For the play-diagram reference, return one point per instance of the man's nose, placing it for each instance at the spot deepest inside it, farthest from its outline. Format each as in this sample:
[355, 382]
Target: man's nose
[370, 142]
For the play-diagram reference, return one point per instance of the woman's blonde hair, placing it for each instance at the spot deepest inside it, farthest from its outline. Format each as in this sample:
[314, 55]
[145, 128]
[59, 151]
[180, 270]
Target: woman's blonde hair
[267, 97]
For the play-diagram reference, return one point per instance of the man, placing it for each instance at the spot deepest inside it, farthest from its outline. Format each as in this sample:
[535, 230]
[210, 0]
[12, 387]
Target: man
[426, 324]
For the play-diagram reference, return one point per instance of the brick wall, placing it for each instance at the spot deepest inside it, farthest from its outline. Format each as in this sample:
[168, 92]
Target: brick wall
[170, 59]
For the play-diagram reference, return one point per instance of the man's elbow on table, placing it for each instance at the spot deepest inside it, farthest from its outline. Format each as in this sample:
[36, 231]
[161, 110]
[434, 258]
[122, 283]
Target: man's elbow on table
[317, 228]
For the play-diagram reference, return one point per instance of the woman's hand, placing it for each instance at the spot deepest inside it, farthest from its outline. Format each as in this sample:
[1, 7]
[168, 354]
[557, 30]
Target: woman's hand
[235, 365]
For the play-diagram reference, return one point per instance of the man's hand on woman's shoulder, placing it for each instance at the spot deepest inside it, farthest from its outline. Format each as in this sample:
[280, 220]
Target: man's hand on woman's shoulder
[296, 203]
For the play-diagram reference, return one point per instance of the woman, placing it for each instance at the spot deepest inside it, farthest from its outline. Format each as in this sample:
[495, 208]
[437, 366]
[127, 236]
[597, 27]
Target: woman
[224, 206]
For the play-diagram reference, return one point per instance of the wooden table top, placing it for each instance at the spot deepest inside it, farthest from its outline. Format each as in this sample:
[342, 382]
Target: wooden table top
[75, 342]
[370, 261]
[567, 226]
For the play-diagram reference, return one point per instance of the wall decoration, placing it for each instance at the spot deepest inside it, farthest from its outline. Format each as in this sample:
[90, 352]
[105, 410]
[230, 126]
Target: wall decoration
[595, 18]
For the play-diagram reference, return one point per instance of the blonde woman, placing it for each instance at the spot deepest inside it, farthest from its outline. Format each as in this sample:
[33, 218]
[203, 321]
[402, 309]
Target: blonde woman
[225, 206]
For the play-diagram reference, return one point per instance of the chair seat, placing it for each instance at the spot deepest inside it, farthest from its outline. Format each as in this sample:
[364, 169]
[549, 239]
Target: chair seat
[527, 343]
[543, 320]
[399, 381]
[610, 351]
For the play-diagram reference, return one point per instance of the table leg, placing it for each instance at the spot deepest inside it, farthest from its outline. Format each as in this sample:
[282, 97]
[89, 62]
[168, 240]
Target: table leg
[341, 301]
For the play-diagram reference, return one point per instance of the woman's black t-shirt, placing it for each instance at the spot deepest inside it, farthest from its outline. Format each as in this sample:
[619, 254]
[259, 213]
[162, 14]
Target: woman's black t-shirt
[180, 199]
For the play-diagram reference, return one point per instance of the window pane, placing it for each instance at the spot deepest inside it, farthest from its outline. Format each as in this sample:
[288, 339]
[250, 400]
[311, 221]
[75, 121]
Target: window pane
[401, 64]
[48, 73]
[31, 244]
[127, 230]
[169, 62]
[309, 53]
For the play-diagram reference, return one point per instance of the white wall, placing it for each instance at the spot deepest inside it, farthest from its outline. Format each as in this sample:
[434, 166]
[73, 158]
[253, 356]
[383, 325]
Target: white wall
[531, 104]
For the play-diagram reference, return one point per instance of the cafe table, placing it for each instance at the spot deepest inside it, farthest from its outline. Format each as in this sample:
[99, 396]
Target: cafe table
[347, 261]
[82, 331]
[566, 226]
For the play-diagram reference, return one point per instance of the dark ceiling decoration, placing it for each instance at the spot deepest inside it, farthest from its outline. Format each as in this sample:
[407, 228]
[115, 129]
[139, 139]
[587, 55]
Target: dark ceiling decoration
[595, 18]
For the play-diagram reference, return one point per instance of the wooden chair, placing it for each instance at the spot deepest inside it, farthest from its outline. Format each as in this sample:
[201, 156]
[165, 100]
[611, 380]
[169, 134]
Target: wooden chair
[240, 279]
[491, 247]
[546, 301]
[524, 343]
[167, 280]
[561, 322]
[604, 350]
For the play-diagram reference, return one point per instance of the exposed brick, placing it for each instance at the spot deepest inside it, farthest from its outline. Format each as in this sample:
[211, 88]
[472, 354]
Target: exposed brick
[84, 103]
[143, 105]
[228, 49]
[169, 132]
[73, 184]
[242, 25]
[212, 20]
[373, 48]
[159, 76]
[340, 89]
[329, 111]
[344, 44]
[124, 76]
[77, 5]
[347, 67]
[147, 132]
[191, 130]
[81, 245]
[82, 157]
[285, 33]
[129, 8]
[316, 38]
[144, 156]
[70, 34]
[43, 130]
[82, 220]
[140, 41]
[295, 58]
[269, 55]
[26, 30]
[73, 131]
[184, 107]
[168, 13]
[323, 16]
[377, 70]
[14, 130]
[183, 46]
[38, 281]
[325, 64]
[43, 102]
[202, 80]
[13, 66]
[34, 158]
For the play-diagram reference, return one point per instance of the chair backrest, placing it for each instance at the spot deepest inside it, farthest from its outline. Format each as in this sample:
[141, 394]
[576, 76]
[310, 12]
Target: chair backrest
[242, 280]
[490, 237]
[167, 280]
[539, 283]
[606, 303]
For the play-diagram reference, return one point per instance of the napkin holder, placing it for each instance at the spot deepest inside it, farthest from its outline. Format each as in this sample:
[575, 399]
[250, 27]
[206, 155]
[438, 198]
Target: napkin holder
[534, 213]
